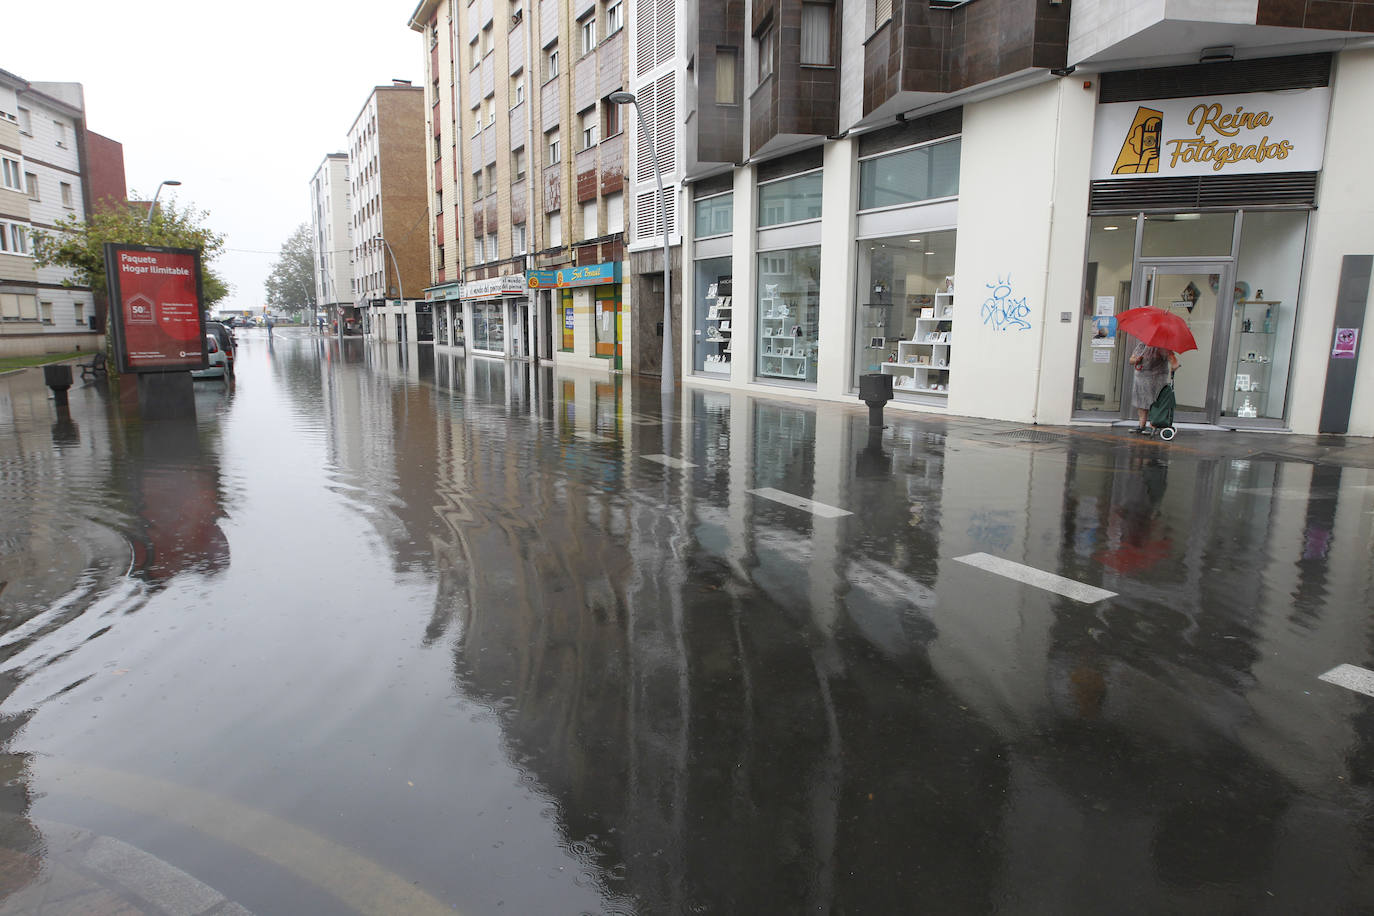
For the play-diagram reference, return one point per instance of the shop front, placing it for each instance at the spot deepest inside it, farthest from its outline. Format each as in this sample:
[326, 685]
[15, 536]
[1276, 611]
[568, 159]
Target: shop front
[582, 309]
[492, 312]
[1200, 206]
[714, 322]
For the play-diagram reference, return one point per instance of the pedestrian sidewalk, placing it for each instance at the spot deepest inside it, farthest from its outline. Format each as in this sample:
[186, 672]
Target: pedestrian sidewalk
[80, 872]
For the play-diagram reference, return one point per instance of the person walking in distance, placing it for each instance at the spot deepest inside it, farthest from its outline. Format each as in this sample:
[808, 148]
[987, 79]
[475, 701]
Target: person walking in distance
[1152, 368]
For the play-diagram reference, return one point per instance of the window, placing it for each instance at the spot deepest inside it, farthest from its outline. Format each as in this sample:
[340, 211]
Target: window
[553, 230]
[714, 216]
[517, 239]
[727, 61]
[13, 174]
[517, 88]
[588, 32]
[588, 121]
[788, 317]
[517, 163]
[790, 200]
[493, 247]
[491, 110]
[815, 34]
[765, 52]
[79, 310]
[589, 220]
[491, 178]
[25, 121]
[31, 185]
[927, 172]
[555, 148]
[551, 62]
[615, 17]
[477, 185]
[60, 130]
[615, 212]
[14, 238]
[438, 202]
[476, 54]
[486, 40]
[45, 312]
[66, 194]
[882, 12]
[904, 320]
[612, 119]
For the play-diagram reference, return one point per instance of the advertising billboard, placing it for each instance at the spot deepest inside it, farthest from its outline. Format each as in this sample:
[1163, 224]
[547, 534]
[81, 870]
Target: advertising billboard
[155, 298]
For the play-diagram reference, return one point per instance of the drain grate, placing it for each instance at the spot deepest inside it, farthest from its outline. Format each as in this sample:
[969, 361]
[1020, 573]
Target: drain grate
[1032, 435]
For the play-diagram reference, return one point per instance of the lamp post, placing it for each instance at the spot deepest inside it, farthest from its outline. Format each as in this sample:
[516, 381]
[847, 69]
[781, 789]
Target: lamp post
[628, 98]
[171, 183]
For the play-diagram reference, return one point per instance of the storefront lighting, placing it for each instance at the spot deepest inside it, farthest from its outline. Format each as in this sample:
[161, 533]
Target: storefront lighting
[1111, 228]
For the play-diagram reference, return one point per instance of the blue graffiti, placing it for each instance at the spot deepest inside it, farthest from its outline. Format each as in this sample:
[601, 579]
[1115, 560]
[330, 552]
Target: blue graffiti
[1002, 311]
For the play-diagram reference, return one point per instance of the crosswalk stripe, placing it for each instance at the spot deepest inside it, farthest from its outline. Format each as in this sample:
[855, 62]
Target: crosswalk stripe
[669, 461]
[1038, 578]
[1351, 677]
[801, 502]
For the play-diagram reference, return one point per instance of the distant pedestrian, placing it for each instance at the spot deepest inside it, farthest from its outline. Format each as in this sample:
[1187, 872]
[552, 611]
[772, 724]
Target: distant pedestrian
[1152, 368]
[270, 322]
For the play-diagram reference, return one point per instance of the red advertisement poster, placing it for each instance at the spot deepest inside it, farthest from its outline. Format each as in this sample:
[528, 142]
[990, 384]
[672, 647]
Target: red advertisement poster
[155, 301]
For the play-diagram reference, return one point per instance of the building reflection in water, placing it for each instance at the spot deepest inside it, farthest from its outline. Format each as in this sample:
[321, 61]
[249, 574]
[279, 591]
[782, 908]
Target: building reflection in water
[735, 706]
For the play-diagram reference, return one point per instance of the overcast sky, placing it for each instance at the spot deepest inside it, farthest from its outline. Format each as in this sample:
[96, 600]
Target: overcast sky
[239, 101]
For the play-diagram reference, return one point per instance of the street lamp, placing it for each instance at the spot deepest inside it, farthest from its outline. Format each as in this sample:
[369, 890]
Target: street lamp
[628, 98]
[395, 267]
[171, 183]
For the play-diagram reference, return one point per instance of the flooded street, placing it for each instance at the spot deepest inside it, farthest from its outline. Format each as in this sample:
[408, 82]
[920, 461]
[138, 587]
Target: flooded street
[391, 631]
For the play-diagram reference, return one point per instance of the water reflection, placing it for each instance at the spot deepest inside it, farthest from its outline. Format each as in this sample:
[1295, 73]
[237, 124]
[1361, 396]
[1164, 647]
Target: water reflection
[718, 703]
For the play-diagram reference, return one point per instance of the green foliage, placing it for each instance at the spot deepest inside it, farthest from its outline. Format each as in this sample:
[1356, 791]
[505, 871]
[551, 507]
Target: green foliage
[80, 244]
[291, 284]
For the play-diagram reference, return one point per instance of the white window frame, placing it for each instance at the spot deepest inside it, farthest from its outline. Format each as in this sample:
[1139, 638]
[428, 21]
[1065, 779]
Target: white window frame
[588, 123]
[11, 173]
[615, 212]
[67, 197]
[554, 146]
[518, 241]
[590, 209]
[31, 186]
[517, 87]
[79, 312]
[615, 17]
[586, 30]
[551, 62]
[25, 121]
[518, 165]
[554, 229]
[14, 239]
[61, 130]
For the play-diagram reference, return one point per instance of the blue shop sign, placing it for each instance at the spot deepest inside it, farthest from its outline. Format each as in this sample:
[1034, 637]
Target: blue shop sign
[587, 275]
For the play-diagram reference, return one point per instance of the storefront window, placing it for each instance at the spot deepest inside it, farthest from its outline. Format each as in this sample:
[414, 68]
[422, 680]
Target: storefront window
[789, 313]
[1264, 317]
[904, 323]
[488, 326]
[1106, 294]
[924, 173]
[714, 216]
[565, 306]
[1187, 235]
[605, 319]
[790, 200]
[714, 313]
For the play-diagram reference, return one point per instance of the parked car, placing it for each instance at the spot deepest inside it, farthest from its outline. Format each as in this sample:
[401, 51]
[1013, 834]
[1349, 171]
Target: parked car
[226, 339]
[219, 360]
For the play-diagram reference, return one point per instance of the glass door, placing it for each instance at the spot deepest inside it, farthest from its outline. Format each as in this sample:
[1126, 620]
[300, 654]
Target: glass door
[1200, 293]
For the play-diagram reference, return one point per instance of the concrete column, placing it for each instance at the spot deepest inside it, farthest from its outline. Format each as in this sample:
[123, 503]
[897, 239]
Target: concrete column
[839, 225]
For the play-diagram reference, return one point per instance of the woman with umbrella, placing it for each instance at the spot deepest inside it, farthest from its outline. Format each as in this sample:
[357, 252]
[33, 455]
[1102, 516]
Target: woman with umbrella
[1162, 335]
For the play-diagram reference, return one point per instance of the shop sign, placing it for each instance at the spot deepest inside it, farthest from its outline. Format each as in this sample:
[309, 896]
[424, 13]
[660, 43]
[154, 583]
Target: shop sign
[158, 322]
[587, 275]
[510, 285]
[1238, 134]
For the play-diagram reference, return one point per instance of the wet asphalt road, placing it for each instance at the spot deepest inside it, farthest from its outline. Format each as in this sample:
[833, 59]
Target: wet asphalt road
[387, 631]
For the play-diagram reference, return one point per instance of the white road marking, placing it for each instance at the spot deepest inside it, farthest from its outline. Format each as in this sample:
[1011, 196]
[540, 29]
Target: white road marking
[1029, 575]
[669, 461]
[1351, 677]
[799, 502]
[590, 437]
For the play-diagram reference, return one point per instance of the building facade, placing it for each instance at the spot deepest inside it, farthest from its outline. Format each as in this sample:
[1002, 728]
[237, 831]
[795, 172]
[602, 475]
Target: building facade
[966, 196]
[42, 180]
[387, 187]
[527, 188]
[331, 237]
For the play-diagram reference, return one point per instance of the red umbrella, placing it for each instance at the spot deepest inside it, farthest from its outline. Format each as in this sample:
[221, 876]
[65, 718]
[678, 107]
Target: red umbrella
[1157, 328]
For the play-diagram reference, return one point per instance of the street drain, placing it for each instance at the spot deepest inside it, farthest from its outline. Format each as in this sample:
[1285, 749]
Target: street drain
[1032, 435]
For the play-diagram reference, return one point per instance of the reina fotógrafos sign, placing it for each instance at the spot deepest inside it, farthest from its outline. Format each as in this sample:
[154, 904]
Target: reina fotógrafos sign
[155, 303]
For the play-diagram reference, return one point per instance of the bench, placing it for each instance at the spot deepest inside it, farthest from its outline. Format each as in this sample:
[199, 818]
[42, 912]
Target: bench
[95, 366]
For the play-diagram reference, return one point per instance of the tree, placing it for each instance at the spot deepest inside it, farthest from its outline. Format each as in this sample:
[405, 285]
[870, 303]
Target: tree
[291, 284]
[79, 245]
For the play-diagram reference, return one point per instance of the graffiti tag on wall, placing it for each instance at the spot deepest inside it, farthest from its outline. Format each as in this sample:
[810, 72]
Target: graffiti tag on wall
[1003, 311]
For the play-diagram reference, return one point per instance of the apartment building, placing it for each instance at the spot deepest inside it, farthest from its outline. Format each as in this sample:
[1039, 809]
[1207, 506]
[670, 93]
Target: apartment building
[965, 196]
[42, 180]
[527, 179]
[331, 238]
[390, 215]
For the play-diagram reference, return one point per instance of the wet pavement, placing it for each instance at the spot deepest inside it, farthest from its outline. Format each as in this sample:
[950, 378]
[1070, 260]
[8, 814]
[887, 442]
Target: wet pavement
[391, 631]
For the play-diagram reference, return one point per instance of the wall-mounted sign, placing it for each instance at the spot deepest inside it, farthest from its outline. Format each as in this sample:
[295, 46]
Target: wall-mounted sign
[158, 323]
[586, 275]
[492, 287]
[1212, 135]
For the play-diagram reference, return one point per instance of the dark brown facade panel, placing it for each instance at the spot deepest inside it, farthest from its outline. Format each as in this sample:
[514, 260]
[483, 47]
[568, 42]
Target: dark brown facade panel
[1301, 71]
[716, 184]
[586, 183]
[910, 133]
[794, 164]
[1363, 18]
